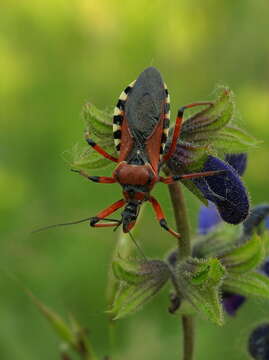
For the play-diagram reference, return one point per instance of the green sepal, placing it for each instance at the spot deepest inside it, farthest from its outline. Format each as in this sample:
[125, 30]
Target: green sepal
[129, 271]
[98, 123]
[265, 238]
[139, 282]
[124, 249]
[202, 126]
[217, 242]
[248, 284]
[209, 132]
[199, 281]
[131, 298]
[99, 126]
[86, 159]
[245, 257]
[233, 140]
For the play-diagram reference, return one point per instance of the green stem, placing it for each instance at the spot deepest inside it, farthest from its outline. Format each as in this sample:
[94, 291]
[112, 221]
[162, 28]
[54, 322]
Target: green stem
[182, 221]
[184, 250]
[188, 327]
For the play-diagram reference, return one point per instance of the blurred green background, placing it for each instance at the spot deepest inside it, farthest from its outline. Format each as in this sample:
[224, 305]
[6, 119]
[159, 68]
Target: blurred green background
[55, 56]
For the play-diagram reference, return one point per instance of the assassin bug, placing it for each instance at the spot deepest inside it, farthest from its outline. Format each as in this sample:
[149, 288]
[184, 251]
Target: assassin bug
[140, 130]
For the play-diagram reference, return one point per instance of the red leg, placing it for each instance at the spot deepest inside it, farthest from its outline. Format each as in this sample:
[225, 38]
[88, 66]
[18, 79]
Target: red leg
[160, 216]
[104, 213]
[171, 179]
[177, 128]
[97, 148]
[99, 179]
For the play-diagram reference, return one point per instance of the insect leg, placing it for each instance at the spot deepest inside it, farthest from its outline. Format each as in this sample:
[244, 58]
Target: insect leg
[161, 218]
[177, 127]
[171, 179]
[98, 179]
[104, 213]
[98, 148]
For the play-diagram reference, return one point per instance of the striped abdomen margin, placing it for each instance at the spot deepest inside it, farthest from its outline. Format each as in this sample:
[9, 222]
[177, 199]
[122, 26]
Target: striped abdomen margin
[166, 121]
[119, 113]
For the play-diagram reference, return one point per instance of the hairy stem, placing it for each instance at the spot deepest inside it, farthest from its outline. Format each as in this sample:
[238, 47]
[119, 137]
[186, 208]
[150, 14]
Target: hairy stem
[184, 250]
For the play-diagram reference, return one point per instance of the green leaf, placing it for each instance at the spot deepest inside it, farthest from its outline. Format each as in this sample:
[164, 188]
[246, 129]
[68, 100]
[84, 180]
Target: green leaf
[244, 257]
[199, 281]
[248, 284]
[73, 335]
[56, 321]
[83, 345]
[99, 126]
[140, 281]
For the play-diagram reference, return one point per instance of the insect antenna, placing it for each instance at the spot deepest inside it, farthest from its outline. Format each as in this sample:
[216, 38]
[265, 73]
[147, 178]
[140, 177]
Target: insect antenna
[117, 226]
[57, 225]
[68, 223]
[137, 245]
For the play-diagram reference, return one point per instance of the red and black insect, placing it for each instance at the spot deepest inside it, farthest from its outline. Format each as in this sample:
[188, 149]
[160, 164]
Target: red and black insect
[140, 129]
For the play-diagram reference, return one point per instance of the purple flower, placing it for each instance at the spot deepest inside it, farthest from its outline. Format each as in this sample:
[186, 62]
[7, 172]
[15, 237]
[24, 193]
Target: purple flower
[232, 302]
[209, 218]
[237, 161]
[225, 190]
[265, 265]
[258, 342]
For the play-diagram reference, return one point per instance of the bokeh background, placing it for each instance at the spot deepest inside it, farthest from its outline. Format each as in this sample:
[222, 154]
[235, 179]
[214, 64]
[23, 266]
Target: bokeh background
[55, 55]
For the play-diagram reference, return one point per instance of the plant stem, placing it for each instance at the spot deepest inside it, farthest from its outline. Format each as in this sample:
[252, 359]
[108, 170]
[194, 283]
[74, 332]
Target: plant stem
[188, 334]
[184, 250]
[182, 221]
